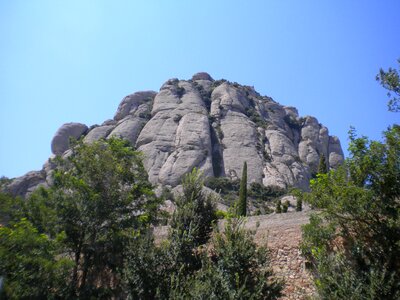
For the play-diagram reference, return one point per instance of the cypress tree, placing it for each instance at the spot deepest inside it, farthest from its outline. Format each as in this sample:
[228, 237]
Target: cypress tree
[322, 167]
[242, 204]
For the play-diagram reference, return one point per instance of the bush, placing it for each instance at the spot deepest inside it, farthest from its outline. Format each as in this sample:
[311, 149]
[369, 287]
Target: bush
[285, 206]
[222, 185]
[278, 207]
[265, 193]
[299, 204]
[235, 269]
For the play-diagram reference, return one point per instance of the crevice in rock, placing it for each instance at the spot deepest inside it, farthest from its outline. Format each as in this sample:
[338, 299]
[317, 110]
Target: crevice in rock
[217, 154]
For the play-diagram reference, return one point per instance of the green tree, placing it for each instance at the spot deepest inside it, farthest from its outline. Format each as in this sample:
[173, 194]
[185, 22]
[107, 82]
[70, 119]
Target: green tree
[152, 272]
[102, 198]
[242, 202]
[191, 223]
[354, 241]
[235, 269]
[322, 166]
[31, 264]
[390, 80]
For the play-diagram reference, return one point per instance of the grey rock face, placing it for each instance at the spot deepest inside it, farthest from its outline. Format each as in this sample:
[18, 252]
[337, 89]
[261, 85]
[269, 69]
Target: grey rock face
[131, 103]
[27, 183]
[98, 133]
[128, 129]
[212, 125]
[202, 76]
[177, 137]
[60, 142]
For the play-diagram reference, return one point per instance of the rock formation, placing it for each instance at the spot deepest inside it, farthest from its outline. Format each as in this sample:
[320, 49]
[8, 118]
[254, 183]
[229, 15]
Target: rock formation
[212, 125]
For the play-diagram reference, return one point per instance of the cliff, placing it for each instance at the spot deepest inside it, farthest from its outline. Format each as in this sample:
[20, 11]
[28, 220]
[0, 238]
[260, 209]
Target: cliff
[214, 125]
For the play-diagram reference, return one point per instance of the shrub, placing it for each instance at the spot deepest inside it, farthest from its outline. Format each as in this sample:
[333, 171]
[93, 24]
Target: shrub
[259, 191]
[235, 269]
[285, 206]
[278, 208]
[222, 185]
[299, 204]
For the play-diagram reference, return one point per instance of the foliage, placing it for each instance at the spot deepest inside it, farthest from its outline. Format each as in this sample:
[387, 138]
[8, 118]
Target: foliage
[299, 204]
[4, 181]
[285, 206]
[192, 221]
[242, 202]
[265, 193]
[390, 80]
[205, 94]
[278, 207]
[76, 233]
[322, 166]
[146, 269]
[152, 272]
[29, 263]
[10, 208]
[354, 242]
[235, 269]
[101, 197]
[40, 209]
[255, 117]
[222, 185]
[293, 122]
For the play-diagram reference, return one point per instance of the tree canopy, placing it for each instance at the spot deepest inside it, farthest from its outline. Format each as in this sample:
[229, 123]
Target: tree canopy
[100, 199]
[354, 240]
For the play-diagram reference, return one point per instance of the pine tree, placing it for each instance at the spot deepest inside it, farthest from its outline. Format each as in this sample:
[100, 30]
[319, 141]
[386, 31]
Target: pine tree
[242, 204]
[322, 167]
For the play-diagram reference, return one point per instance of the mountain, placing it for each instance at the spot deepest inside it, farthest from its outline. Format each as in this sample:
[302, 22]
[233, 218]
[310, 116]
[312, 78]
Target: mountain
[214, 125]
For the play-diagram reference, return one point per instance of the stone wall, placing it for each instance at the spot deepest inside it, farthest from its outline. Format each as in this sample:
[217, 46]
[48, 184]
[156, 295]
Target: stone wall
[282, 234]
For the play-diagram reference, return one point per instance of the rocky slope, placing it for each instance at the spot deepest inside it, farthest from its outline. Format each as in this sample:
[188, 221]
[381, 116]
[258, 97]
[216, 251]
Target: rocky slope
[212, 125]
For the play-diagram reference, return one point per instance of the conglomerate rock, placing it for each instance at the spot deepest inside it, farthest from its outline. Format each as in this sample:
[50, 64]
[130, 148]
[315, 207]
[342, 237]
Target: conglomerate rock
[213, 125]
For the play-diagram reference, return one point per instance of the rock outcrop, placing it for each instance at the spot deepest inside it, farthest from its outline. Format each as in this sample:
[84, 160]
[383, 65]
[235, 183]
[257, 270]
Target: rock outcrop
[61, 139]
[215, 126]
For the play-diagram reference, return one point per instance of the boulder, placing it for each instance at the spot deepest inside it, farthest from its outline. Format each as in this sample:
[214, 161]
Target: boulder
[129, 129]
[97, 133]
[131, 103]
[61, 139]
[202, 76]
[26, 184]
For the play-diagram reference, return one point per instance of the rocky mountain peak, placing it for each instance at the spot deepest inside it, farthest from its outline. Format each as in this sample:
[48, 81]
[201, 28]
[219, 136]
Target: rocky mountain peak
[214, 125]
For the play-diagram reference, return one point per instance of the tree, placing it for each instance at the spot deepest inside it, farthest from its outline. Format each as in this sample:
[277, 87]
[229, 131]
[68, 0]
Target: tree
[242, 202]
[390, 80]
[152, 272]
[30, 263]
[322, 166]
[354, 241]
[235, 268]
[102, 198]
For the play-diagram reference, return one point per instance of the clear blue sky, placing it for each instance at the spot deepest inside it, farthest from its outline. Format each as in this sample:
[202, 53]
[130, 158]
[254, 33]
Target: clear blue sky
[63, 61]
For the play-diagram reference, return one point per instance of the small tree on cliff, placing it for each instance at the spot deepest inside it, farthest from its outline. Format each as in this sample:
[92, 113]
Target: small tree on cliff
[242, 203]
